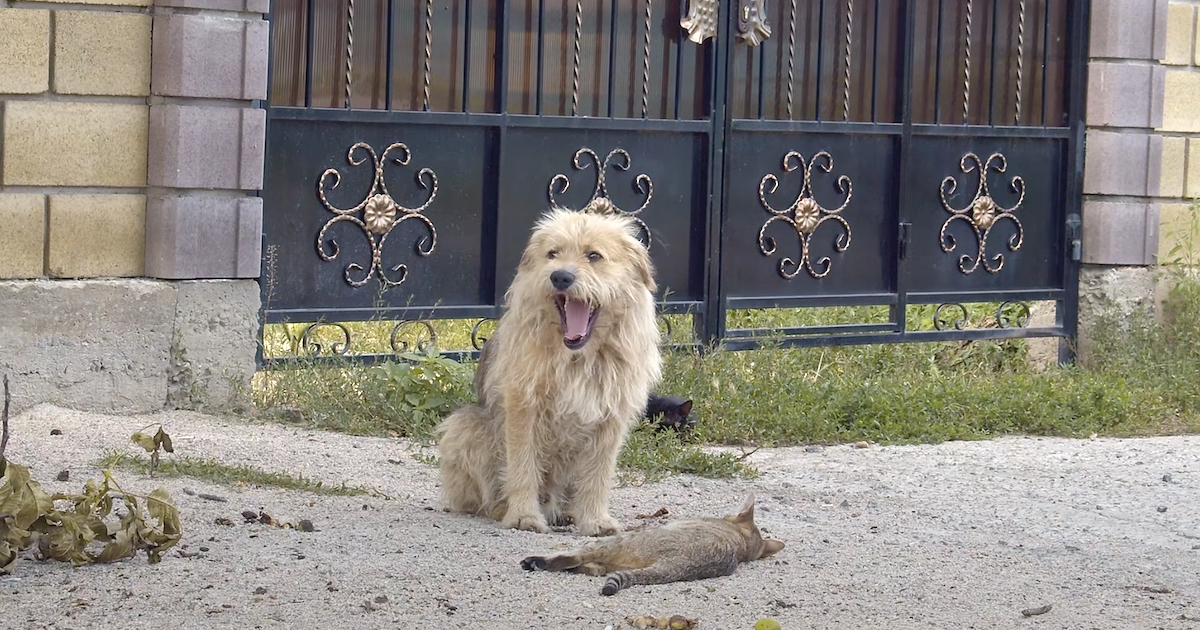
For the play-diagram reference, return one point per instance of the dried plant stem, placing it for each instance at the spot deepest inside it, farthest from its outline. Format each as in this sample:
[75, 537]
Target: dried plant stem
[4, 427]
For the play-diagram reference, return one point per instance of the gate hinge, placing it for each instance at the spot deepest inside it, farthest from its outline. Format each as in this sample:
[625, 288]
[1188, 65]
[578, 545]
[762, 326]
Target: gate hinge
[905, 231]
[1073, 223]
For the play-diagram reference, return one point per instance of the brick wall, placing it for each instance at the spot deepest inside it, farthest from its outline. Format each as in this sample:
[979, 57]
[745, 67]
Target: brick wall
[116, 162]
[1180, 126]
[74, 82]
[131, 152]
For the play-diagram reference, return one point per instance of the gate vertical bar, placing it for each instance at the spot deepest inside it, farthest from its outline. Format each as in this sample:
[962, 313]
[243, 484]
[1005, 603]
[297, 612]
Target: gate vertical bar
[907, 48]
[309, 28]
[1079, 16]
[388, 86]
[712, 324]
[466, 72]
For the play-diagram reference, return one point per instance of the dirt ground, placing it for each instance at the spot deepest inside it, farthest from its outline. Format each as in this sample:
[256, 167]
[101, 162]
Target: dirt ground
[956, 535]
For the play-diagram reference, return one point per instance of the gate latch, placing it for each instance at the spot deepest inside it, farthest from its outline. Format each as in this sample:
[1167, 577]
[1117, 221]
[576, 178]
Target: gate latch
[905, 230]
[1073, 223]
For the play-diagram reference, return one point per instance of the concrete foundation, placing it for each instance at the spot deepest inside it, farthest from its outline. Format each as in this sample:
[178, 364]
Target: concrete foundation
[129, 346]
[1120, 292]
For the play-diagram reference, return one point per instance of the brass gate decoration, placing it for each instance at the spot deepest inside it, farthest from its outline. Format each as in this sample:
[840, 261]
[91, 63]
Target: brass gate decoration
[982, 213]
[806, 215]
[701, 21]
[641, 183]
[380, 214]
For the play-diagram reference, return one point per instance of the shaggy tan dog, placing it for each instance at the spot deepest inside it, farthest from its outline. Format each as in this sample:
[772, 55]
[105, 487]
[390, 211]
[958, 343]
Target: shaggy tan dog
[561, 381]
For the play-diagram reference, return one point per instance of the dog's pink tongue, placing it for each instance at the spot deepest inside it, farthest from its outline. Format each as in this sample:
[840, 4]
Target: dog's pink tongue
[578, 314]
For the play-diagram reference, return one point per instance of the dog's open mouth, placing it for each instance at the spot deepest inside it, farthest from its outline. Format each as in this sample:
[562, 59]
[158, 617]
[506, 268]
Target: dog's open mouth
[577, 317]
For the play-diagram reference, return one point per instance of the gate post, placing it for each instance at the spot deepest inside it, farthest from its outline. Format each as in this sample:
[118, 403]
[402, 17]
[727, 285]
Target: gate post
[203, 215]
[1128, 163]
[712, 323]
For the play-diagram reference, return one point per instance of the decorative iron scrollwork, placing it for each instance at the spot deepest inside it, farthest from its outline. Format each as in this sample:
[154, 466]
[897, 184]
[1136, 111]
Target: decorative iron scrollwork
[1012, 315]
[752, 22]
[1008, 315]
[666, 328]
[380, 214]
[701, 20]
[941, 321]
[641, 184]
[400, 346]
[805, 215]
[477, 338]
[309, 344]
[982, 213]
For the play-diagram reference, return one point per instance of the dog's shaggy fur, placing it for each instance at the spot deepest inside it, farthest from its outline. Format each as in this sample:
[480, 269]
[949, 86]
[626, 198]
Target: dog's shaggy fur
[561, 381]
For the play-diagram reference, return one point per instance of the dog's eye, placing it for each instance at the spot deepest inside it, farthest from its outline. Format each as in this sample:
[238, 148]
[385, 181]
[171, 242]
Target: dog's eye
[552, 254]
[594, 256]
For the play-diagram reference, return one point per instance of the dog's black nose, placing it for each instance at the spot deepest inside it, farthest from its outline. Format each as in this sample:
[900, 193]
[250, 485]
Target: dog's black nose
[562, 279]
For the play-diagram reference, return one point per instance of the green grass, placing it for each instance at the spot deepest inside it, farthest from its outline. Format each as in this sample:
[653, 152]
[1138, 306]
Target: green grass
[1142, 377]
[216, 472]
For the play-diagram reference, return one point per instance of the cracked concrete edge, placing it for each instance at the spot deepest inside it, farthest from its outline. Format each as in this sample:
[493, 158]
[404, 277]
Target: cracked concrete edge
[129, 346]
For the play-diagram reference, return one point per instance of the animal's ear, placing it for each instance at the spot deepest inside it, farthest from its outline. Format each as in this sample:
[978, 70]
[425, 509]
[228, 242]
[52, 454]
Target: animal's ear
[645, 269]
[685, 408]
[771, 547]
[746, 514]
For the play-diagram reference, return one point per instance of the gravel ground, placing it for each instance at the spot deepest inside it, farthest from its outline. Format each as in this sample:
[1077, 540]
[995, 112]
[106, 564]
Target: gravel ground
[956, 535]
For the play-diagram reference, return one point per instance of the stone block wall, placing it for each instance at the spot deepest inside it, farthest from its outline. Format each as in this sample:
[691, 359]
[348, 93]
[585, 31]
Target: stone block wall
[1180, 125]
[74, 82]
[131, 152]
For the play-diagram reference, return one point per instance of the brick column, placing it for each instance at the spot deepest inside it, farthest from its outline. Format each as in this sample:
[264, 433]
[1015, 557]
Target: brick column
[1123, 169]
[207, 132]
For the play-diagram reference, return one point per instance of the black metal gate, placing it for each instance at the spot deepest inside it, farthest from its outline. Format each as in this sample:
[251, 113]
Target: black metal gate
[781, 154]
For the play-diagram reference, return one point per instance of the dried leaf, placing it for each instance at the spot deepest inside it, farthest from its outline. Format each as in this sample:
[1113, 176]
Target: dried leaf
[21, 497]
[120, 547]
[144, 441]
[162, 439]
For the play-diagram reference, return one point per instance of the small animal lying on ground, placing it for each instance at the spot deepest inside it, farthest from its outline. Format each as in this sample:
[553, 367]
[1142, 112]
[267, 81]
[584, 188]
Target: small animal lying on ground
[691, 549]
[670, 412]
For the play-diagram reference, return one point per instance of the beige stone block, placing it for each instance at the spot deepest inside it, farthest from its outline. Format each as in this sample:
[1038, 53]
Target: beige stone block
[74, 144]
[24, 51]
[1174, 153]
[1181, 28]
[1175, 227]
[22, 235]
[127, 3]
[94, 236]
[1193, 169]
[100, 52]
[1181, 94]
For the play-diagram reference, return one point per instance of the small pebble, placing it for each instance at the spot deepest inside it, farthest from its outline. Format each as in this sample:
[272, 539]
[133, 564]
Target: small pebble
[64, 475]
[306, 525]
[1162, 508]
[812, 449]
[205, 549]
[845, 503]
[55, 431]
[1167, 477]
[381, 599]
[262, 590]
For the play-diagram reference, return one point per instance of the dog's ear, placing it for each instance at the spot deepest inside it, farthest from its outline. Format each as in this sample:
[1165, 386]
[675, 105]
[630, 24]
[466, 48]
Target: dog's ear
[645, 268]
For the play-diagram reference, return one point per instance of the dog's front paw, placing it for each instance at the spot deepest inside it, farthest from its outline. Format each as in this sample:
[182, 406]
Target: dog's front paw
[527, 522]
[534, 563]
[603, 526]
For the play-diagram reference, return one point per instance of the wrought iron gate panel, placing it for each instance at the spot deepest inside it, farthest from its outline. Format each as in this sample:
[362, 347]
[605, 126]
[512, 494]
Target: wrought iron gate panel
[809, 218]
[650, 174]
[780, 153]
[323, 260]
[1002, 235]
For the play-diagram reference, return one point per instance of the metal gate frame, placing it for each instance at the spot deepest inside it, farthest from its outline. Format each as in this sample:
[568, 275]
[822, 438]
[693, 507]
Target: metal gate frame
[713, 296]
